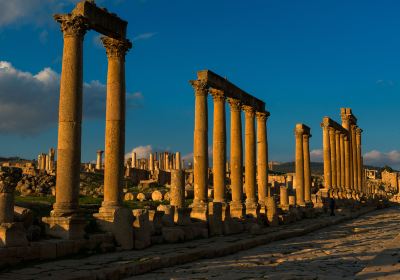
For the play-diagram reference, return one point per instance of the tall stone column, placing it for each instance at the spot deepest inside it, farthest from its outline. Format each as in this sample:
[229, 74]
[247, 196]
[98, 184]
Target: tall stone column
[70, 116]
[200, 152]
[166, 161]
[299, 165]
[262, 156]
[115, 121]
[178, 161]
[250, 162]
[332, 142]
[349, 166]
[219, 145]
[99, 160]
[112, 215]
[354, 159]
[327, 156]
[133, 163]
[236, 206]
[359, 160]
[338, 162]
[342, 162]
[307, 168]
[151, 162]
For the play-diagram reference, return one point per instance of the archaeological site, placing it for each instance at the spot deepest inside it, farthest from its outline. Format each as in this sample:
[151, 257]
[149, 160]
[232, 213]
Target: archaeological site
[224, 208]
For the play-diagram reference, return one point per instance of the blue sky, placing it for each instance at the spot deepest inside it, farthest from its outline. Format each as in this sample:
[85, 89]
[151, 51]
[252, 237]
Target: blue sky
[305, 59]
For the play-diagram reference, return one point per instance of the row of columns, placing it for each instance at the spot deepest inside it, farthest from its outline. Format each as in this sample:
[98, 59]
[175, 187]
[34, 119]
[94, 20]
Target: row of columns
[342, 154]
[302, 164]
[200, 153]
[46, 162]
[158, 161]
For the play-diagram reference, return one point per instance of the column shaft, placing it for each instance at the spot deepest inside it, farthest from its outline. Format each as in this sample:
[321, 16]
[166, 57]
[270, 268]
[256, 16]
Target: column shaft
[307, 169]
[354, 157]
[338, 162]
[70, 116]
[342, 162]
[219, 145]
[327, 157]
[250, 159]
[115, 122]
[200, 149]
[359, 160]
[262, 155]
[299, 180]
[332, 138]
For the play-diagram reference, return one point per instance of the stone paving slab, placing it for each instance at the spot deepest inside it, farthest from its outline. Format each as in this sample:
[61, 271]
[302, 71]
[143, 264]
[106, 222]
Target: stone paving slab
[127, 263]
[385, 265]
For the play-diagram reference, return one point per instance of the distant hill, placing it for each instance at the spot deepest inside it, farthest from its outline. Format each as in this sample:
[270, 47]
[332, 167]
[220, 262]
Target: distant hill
[317, 168]
[12, 159]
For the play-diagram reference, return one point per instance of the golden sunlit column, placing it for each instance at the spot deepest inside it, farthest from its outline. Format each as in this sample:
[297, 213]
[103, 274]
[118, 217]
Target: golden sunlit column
[200, 152]
[219, 145]
[250, 162]
[327, 155]
[307, 168]
[332, 142]
[262, 156]
[354, 157]
[342, 163]
[299, 180]
[236, 206]
[338, 163]
[70, 116]
[359, 160]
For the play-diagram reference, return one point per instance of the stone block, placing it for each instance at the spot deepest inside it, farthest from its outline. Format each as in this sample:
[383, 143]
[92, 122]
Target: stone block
[155, 218]
[169, 213]
[69, 228]
[182, 216]
[141, 228]
[13, 235]
[64, 248]
[173, 234]
[199, 211]
[215, 223]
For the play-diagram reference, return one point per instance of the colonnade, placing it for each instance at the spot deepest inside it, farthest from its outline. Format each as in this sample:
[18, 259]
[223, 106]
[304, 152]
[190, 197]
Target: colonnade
[343, 164]
[302, 163]
[255, 165]
[158, 161]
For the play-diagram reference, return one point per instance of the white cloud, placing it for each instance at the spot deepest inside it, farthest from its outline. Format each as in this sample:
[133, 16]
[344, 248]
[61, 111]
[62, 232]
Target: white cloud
[29, 102]
[316, 155]
[144, 36]
[378, 158]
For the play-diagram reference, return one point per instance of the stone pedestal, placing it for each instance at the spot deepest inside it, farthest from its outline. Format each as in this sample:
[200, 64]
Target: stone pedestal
[237, 210]
[13, 235]
[69, 228]
[199, 211]
[215, 223]
[292, 200]
[118, 221]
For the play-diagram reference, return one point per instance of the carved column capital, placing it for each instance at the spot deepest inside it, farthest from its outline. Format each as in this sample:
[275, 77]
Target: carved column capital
[116, 48]
[72, 25]
[200, 87]
[249, 110]
[263, 116]
[218, 95]
[236, 104]
[359, 131]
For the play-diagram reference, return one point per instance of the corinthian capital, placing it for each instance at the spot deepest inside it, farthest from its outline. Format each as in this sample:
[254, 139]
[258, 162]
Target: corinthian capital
[218, 95]
[200, 87]
[250, 111]
[116, 48]
[235, 104]
[72, 25]
[263, 116]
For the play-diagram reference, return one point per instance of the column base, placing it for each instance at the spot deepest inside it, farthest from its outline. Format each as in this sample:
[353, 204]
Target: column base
[119, 221]
[237, 210]
[215, 223]
[13, 235]
[252, 209]
[67, 227]
[199, 211]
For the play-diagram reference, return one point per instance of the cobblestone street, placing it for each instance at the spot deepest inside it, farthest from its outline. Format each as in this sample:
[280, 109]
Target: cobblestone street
[336, 252]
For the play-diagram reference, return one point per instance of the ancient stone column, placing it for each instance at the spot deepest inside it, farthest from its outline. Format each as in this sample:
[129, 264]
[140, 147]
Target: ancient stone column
[236, 206]
[52, 153]
[70, 116]
[115, 121]
[354, 159]
[327, 156]
[348, 159]
[178, 161]
[307, 168]
[250, 161]
[338, 162]
[151, 162]
[359, 159]
[167, 167]
[342, 162]
[284, 197]
[133, 160]
[332, 140]
[299, 165]
[262, 156]
[177, 192]
[99, 160]
[219, 145]
[200, 151]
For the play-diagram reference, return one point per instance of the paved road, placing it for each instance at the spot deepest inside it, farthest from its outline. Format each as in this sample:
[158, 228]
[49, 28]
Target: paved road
[336, 252]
